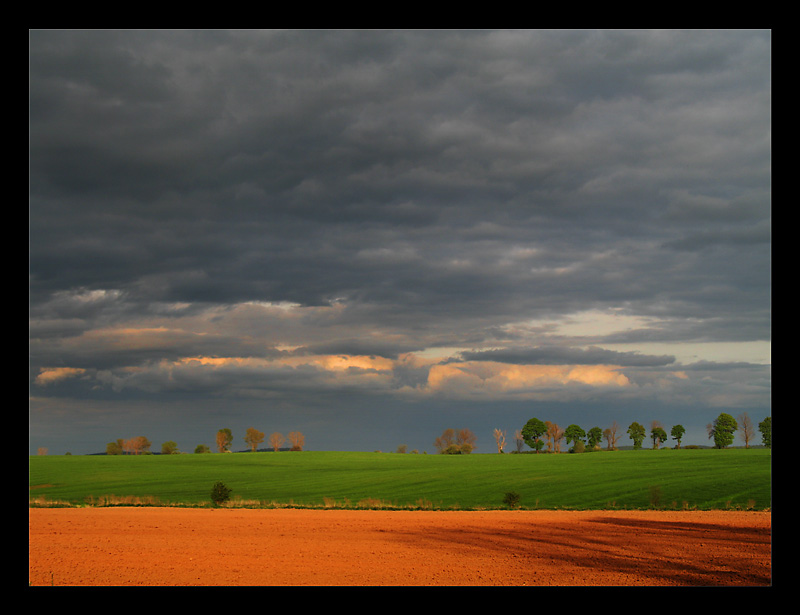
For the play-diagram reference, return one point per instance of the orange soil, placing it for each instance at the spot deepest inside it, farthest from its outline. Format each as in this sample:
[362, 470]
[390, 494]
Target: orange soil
[181, 547]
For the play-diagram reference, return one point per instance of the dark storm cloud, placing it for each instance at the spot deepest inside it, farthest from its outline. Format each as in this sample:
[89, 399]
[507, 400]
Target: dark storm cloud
[251, 165]
[394, 191]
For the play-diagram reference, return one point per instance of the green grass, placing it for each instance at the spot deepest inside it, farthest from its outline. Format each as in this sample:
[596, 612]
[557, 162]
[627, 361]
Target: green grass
[701, 479]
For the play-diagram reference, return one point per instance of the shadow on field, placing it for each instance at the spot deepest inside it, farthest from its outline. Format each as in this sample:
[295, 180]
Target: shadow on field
[643, 551]
[690, 529]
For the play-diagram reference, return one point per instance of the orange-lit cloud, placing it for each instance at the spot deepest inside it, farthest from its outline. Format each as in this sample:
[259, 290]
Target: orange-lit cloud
[331, 363]
[458, 379]
[495, 378]
[350, 371]
[53, 374]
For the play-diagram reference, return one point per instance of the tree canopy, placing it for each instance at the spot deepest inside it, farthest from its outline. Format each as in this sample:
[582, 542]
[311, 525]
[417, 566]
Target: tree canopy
[637, 434]
[722, 430]
[575, 434]
[658, 435]
[677, 433]
[765, 427]
[594, 437]
[532, 433]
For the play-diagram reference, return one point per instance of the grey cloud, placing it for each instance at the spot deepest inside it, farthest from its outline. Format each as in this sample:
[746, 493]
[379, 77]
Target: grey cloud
[302, 156]
[375, 347]
[373, 130]
[433, 188]
[558, 355]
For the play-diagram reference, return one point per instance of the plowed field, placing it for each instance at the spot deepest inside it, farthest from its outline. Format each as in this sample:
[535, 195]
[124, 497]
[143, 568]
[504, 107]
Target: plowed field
[231, 547]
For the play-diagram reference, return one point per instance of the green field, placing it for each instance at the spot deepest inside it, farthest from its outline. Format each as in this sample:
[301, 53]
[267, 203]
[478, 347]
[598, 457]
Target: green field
[692, 478]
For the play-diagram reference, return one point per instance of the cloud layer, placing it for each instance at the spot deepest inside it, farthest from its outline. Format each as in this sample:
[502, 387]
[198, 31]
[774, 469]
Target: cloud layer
[312, 218]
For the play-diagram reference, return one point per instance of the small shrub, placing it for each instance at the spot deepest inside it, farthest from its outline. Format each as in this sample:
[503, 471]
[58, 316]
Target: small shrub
[655, 495]
[220, 493]
[511, 499]
[458, 449]
[579, 447]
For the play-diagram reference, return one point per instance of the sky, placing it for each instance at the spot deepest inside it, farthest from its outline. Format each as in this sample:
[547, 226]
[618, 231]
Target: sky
[370, 236]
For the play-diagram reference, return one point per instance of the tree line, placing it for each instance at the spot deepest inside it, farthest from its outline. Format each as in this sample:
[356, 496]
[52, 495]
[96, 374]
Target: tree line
[224, 438]
[538, 434]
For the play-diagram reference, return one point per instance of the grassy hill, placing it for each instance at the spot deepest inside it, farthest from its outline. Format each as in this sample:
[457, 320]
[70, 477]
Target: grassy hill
[667, 478]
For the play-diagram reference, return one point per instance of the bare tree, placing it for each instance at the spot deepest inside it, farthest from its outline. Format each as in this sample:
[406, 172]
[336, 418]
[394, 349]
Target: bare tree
[253, 438]
[446, 440]
[134, 446]
[611, 434]
[297, 439]
[500, 438]
[554, 435]
[465, 437]
[558, 435]
[276, 441]
[449, 437]
[519, 441]
[746, 428]
[548, 434]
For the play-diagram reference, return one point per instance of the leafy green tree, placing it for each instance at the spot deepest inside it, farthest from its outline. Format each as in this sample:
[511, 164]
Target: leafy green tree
[765, 427]
[532, 433]
[202, 448]
[722, 430]
[637, 434]
[594, 437]
[574, 434]
[169, 448]
[658, 435]
[677, 434]
[114, 448]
